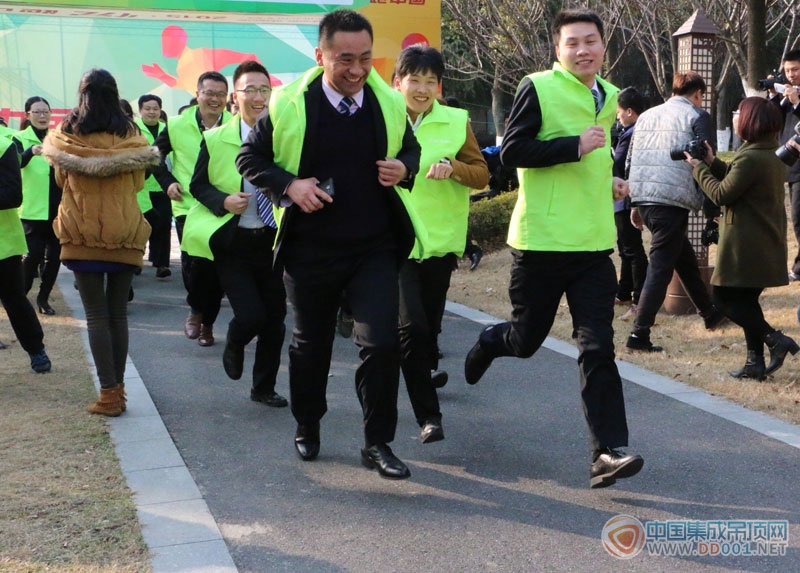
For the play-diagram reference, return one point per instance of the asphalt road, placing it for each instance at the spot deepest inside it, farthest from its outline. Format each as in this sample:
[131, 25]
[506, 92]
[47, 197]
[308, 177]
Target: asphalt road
[507, 490]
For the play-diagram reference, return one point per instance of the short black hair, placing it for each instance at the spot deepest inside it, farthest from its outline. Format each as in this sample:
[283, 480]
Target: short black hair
[792, 56]
[565, 17]
[417, 59]
[452, 101]
[342, 21]
[246, 67]
[630, 98]
[150, 97]
[216, 76]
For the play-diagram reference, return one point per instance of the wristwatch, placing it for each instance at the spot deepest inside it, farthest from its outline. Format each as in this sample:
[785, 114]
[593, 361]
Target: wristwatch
[445, 161]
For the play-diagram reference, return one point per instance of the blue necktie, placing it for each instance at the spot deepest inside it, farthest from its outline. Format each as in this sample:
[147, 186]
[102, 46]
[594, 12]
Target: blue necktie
[345, 105]
[265, 210]
[596, 96]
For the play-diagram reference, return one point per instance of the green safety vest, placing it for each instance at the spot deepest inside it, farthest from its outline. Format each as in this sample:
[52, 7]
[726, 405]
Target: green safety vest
[35, 180]
[569, 206]
[223, 145]
[12, 237]
[287, 111]
[150, 184]
[443, 206]
[6, 131]
[185, 137]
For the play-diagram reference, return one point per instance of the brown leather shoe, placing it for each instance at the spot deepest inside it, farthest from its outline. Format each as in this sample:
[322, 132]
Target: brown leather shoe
[206, 337]
[191, 328]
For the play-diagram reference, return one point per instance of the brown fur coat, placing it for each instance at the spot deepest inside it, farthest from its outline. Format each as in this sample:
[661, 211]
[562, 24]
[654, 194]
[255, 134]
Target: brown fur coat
[100, 173]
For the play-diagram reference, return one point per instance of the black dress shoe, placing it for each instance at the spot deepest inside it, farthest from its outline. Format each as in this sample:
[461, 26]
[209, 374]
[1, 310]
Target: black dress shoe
[477, 363]
[272, 399]
[306, 441]
[163, 272]
[233, 359]
[642, 344]
[779, 346]
[44, 306]
[431, 432]
[380, 457]
[612, 465]
[439, 378]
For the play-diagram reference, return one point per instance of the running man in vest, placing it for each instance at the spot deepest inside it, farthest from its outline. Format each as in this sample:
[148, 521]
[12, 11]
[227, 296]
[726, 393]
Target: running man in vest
[452, 164]
[562, 231]
[234, 225]
[154, 202]
[333, 148]
[181, 141]
[21, 315]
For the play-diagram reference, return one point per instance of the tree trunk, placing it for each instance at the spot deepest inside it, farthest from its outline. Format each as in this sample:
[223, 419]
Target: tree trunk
[756, 45]
[501, 103]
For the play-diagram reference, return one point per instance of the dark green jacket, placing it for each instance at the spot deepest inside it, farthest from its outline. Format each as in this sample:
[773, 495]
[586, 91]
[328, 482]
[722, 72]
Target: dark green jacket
[752, 232]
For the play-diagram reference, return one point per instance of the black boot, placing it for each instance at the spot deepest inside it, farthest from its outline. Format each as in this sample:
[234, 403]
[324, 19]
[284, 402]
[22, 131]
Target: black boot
[779, 346]
[754, 367]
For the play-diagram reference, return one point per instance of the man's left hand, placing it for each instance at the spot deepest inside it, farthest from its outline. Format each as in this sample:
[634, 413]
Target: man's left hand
[391, 171]
[619, 188]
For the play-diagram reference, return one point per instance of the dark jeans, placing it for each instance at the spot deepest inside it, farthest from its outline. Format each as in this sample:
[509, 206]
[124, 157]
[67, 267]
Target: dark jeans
[538, 281]
[423, 294]
[161, 223]
[105, 301]
[315, 283]
[43, 247]
[794, 200]
[633, 260]
[21, 315]
[670, 250]
[203, 290]
[742, 307]
[258, 300]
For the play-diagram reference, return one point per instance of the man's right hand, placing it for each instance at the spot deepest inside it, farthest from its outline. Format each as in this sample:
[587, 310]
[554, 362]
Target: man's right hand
[236, 203]
[792, 94]
[636, 219]
[305, 194]
[175, 191]
[593, 138]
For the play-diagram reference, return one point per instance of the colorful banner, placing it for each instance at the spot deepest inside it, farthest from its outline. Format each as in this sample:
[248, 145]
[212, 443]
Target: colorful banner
[46, 54]
[257, 6]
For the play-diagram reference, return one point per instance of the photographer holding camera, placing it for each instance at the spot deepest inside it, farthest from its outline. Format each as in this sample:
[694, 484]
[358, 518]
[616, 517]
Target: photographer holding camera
[662, 193]
[787, 97]
[752, 235]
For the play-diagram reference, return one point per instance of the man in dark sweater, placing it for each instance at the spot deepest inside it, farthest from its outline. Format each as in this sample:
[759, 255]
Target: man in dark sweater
[789, 102]
[334, 149]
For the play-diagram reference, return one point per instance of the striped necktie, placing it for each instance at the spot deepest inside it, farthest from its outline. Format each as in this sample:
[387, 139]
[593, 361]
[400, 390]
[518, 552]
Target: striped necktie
[265, 210]
[596, 96]
[345, 105]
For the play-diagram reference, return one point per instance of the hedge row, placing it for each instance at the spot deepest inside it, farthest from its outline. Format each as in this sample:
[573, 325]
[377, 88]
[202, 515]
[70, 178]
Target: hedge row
[488, 220]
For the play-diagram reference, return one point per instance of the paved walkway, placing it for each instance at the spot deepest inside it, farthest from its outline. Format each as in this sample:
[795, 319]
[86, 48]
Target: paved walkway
[219, 488]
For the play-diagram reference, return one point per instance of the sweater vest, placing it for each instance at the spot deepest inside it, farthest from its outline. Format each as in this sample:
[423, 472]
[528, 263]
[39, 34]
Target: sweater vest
[35, 180]
[442, 205]
[568, 206]
[288, 114]
[12, 236]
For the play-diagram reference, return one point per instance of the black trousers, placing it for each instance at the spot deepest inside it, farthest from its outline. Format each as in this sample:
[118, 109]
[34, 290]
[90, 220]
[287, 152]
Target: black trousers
[44, 255]
[257, 296]
[633, 260]
[538, 281]
[200, 279]
[105, 300]
[423, 294]
[161, 223]
[670, 250]
[315, 283]
[21, 315]
[742, 307]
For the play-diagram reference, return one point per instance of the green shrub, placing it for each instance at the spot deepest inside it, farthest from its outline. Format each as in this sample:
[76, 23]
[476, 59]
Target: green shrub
[488, 220]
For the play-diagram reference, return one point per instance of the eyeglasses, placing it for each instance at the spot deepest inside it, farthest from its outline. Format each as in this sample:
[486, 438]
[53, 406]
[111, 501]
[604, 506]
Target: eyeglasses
[40, 112]
[254, 91]
[210, 93]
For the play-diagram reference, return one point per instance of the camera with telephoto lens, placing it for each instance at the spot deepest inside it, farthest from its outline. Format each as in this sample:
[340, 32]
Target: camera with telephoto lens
[710, 235]
[770, 83]
[786, 153]
[696, 148]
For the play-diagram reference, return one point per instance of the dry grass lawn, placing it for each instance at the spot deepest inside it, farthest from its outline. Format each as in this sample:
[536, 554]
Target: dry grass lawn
[692, 354]
[64, 504]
